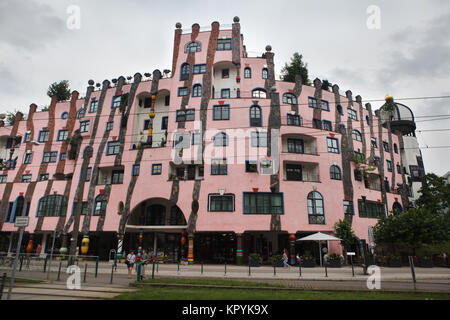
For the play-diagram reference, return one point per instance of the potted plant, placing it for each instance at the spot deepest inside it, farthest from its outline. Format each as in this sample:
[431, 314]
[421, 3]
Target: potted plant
[308, 261]
[254, 260]
[277, 260]
[425, 262]
[334, 260]
[394, 261]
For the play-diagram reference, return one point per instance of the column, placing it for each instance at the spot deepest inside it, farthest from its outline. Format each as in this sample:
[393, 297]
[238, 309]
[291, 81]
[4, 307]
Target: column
[141, 238]
[190, 248]
[239, 251]
[44, 242]
[120, 245]
[292, 248]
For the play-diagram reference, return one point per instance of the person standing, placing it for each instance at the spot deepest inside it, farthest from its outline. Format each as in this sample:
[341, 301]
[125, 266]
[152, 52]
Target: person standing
[144, 261]
[131, 259]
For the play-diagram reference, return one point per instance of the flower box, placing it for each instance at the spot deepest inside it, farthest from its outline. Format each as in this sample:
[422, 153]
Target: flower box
[334, 263]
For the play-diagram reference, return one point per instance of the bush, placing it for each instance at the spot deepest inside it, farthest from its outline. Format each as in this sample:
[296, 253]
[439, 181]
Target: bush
[334, 256]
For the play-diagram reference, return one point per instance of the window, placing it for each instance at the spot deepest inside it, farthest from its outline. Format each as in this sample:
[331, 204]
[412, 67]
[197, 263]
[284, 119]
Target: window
[247, 73]
[164, 122]
[259, 93]
[399, 169]
[136, 169]
[251, 166]
[43, 177]
[389, 165]
[3, 178]
[182, 91]
[358, 174]
[117, 177]
[339, 109]
[386, 146]
[335, 173]
[80, 113]
[315, 208]
[50, 156]
[332, 145]
[84, 208]
[326, 125]
[395, 148]
[219, 203]
[225, 93]
[193, 46]
[314, 103]
[317, 124]
[255, 116]
[54, 205]
[113, 148]
[109, 125]
[62, 135]
[27, 137]
[356, 135]
[295, 145]
[294, 172]
[62, 156]
[185, 71]
[373, 141]
[259, 139]
[352, 114]
[263, 203]
[221, 112]
[25, 178]
[368, 120]
[199, 68]
[293, 120]
[185, 115]
[370, 209]
[156, 169]
[64, 115]
[289, 98]
[225, 73]
[221, 139]
[116, 101]
[84, 126]
[265, 73]
[88, 174]
[196, 138]
[147, 124]
[223, 44]
[167, 100]
[197, 90]
[100, 206]
[348, 207]
[43, 135]
[28, 158]
[219, 167]
[94, 106]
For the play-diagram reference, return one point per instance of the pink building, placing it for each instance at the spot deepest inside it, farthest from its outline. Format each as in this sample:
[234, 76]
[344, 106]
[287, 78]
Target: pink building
[278, 160]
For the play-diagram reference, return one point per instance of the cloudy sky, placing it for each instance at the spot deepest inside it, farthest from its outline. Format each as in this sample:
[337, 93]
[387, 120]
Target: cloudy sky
[408, 56]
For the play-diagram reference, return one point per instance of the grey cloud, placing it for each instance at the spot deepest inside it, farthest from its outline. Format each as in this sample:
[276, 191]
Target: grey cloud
[28, 24]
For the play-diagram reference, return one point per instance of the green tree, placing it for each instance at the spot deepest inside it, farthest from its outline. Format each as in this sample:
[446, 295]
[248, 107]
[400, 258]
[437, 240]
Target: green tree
[297, 66]
[60, 89]
[343, 230]
[11, 117]
[434, 194]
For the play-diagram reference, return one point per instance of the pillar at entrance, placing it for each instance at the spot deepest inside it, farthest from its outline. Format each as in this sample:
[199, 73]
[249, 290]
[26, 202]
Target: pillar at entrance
[190, 248]
[120, 246]
[292, 248]
[239, 251]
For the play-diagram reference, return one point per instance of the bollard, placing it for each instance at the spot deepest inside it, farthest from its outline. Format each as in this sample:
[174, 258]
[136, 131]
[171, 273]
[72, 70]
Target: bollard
[96, 267]
[45, 263]
[2, 285]
[353, 269]
[69, 261]
[112, 272]
[411, 263]
[225, 267]
[202, 268]
[59, 271]
[249, 271]
[299, 269]
[274, 269]
[157, 268]
[85, 270]
[153, 270]
[138, 271]
[178, 266]
[21, 263]
[326, 271]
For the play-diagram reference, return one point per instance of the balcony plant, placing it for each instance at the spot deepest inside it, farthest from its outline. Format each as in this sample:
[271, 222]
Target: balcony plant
[254, 259]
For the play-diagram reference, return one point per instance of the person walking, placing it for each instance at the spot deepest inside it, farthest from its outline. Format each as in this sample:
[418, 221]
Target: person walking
[144, 261]
[131, 259]
[285, 259]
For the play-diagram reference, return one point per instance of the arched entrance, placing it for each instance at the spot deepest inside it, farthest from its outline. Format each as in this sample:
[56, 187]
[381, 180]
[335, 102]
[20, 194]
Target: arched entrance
[161, 224]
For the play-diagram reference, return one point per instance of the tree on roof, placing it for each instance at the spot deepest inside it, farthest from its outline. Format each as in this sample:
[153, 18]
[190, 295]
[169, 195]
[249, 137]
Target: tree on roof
[60, 89]
[297, 66]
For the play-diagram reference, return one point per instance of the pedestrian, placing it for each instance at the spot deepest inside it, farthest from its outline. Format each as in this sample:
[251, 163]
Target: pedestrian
[298, 258]
[144, 261]
[131, 259]
[285, 259]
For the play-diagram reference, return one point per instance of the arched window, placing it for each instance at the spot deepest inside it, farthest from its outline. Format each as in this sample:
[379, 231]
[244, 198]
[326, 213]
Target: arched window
[80, 113]
[368, 120]
[185, 70]
[194, 46]
[397, 208]
[335, 172]
[177, 217]
[54, 205]
[100, 206]
[265, 73]
[221, 139]
[197, 90]
[155, 215]
[395, 148]
[289, 98]
[315, 208]
[356, 135]
[64, 115]
[339, 109]
[259, 93]
[247, 73]
[255, 116]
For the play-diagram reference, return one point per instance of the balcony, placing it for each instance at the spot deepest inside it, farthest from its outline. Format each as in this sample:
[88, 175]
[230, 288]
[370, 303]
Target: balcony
[298, 144]
[372, 181]
[300, 171]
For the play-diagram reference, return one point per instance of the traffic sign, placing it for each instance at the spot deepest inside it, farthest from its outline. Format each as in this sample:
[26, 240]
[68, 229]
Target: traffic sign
[351, 253]
[21, 222]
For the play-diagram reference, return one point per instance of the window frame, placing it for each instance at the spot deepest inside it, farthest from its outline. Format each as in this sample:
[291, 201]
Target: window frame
[229, 196]
[248, 208]
[112, 148]
[223, 44]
